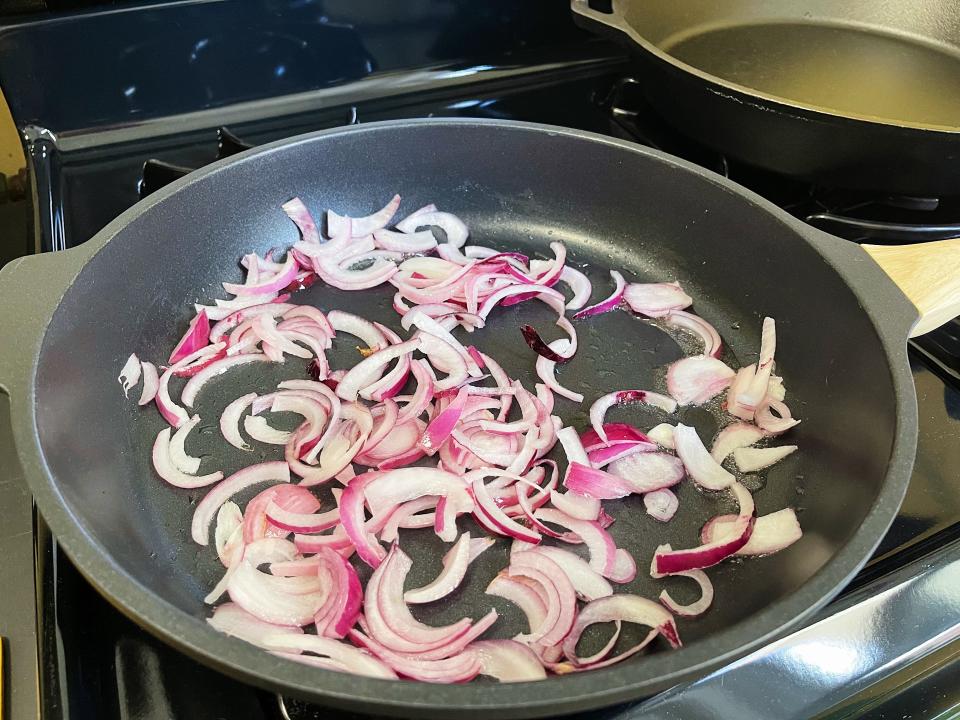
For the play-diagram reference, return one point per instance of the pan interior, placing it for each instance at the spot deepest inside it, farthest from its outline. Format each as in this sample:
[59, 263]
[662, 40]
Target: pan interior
[614, 207]
[890, 62]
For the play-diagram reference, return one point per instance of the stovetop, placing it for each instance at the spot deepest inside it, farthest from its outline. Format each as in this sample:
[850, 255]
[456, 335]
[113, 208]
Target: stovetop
[886, 644]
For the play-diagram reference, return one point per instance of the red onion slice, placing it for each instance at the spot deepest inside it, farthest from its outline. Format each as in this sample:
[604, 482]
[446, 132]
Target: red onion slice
[751, 396]
[230, 421]
[520, 591]
[667, 562]
[260, 430]
[229, 521]
[661, 504]
[600, 544]
[712, 344]
[462, 668]
[452, 226]
[587, 582]
[273, 471]
[508, 661]
[561, 598]
[455, 565]
[656, 299]
[297, 211]
[648, 472]
[233, 620]
[129, 376]
[181, 460]
[394, 487]
[611, 303]
[594, 483]
[619, 397]
[625, 608]
[579, 283]
[495, 517]
[362, 226]
[417, 242]
[704, 470]
[341, 607]
[603, 456]
[166, 468]
[695, 380]
[443, 424]
[275, 283]
[770, 423]
[698, 607]
[352, 659]
[218, 367]
[662, 435]
[753, 459]
[771, 533]
[151, 383]
[371, 368]
[733, 436]
[196, 337]
[258, 594]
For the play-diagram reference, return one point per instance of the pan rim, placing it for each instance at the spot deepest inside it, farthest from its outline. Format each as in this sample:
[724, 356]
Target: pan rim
[566, 694]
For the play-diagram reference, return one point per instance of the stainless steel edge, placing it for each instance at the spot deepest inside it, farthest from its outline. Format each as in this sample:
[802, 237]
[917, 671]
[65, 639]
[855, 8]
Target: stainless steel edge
[860, 640]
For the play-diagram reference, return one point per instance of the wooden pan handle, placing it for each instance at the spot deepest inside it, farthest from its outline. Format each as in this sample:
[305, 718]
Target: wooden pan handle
[928, 274]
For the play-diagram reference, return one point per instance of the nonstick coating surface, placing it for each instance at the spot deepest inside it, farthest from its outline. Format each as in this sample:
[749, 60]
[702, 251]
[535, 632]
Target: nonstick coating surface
[518, 187]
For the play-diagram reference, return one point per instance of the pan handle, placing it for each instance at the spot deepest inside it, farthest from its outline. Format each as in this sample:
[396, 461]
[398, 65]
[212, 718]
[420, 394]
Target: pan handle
[612, 20]
[928, 274]
[30, 290]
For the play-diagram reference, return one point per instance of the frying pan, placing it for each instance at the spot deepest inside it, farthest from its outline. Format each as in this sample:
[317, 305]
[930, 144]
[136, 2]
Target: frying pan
[848, 93]
[71, 318]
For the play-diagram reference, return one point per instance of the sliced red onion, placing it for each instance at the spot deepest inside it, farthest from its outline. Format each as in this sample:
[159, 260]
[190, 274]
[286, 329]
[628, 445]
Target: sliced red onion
[661, 504]
[458, 669]
[371, 368]
[704, 470]
[151, 383]
[341, 607]
[546, 369]
[508, 661]
[616, 433]
[733, 436]
[452, 226]
[443, 424]
[237, 317]
[427, 324]
[667, 562]
[753, 459]
[233, 620]
[603, 456]
[166, 468]
[750, 396]
[561, 598]
[196, 383]
[769, 422]
[600, 544]
[196, 337]
[536, 343]
[695, 380]
[662, 435]
[579, 283]
[712, 344]
[229, 521]
[275, 283]
[656, 299]
[625, 608]
[698, 607]
[230, 421]
[352, 659]
[587, 582]
[494, 516]
[648, 472]
[258, 594]
[273, 471]
[297, 211]
[260, 430]
[771, 533]
[416, 242]
[593, 483]
[394, 487]
[445, 359]
[619, 397]
[181, 460]
[611, 303]
[300, 522]
[455, 565]
[520, 591]
[130, 374]
[362, 226]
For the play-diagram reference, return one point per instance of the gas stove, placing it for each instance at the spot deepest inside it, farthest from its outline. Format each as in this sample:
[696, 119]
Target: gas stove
[136, 96]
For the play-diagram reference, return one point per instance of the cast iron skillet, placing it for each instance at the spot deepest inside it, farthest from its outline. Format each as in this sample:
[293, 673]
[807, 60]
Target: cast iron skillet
[71, 318]
[846, 93]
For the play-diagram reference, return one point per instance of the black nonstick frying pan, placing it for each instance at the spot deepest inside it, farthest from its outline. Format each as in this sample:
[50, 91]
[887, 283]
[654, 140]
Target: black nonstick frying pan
[848, 93]
[71, 318]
